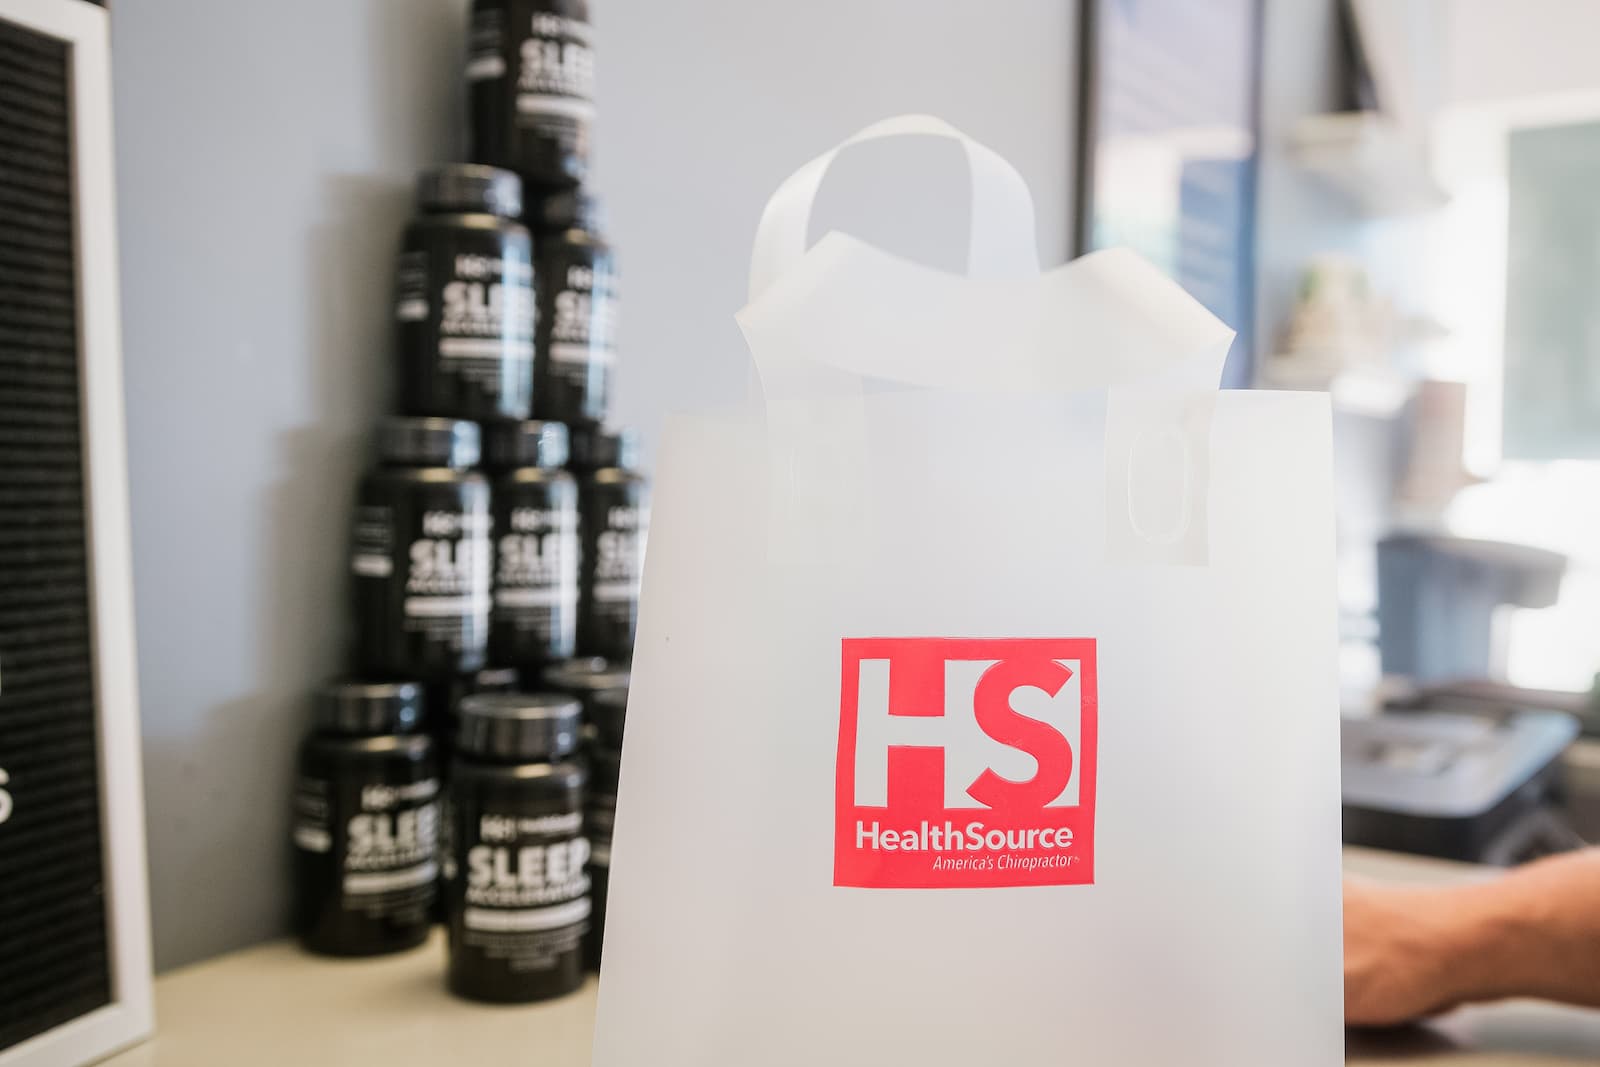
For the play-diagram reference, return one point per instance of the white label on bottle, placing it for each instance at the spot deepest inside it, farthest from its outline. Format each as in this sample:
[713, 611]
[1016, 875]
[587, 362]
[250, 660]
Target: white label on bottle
[312, 839]
[485, 348]
[433, 606]
[482, 68]
[582, 353]
[388, 881]
[521, 920]
[546, 104]
[372, 566]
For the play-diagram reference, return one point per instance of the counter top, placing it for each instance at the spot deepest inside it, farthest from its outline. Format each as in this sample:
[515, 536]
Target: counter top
[274, 1005]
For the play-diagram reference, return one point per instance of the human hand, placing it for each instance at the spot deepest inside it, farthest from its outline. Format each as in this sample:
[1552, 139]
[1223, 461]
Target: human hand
[1411, 952]
[1400, 953]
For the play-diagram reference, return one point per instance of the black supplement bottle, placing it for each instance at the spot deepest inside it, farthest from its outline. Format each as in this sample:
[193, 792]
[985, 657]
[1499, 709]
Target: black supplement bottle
[530, 87]
[366, 822]
[614, 518]
[578, 308]
[586, 678]
[605, 716]
[517, 880]
[444, 697]
[443, 726]
[465, 302]
[534, 619]
[602, 688]
[421, 553]
[605, 712]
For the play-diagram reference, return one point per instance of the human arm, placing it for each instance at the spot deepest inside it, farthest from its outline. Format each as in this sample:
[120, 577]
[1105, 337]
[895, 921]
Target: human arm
[1414, 951]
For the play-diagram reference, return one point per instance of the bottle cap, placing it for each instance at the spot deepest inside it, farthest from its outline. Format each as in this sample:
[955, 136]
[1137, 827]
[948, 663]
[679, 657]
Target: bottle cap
[519, 726]
[593, 449]
[607, 711]
[509, 444]
[426, 442]
[444, 697]
[471, 188]
[571, 209]
[369, 709]
[582, 677]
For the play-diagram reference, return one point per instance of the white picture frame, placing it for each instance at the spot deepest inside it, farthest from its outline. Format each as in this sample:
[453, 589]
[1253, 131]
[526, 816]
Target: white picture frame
[130, 1016]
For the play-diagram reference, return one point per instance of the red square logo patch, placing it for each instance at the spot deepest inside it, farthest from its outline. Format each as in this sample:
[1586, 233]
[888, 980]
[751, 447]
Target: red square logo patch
[965, 763]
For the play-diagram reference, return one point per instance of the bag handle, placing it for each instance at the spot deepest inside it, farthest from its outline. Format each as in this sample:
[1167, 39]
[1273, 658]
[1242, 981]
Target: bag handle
[1001, 243]
[1039, 332]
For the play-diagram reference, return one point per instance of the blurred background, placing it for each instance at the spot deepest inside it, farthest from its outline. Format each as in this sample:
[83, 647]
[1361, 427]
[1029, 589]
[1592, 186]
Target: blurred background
[1388, 201]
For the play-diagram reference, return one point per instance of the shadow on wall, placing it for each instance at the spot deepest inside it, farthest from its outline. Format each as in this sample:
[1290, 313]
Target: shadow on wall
[376, 100]
[230, 884]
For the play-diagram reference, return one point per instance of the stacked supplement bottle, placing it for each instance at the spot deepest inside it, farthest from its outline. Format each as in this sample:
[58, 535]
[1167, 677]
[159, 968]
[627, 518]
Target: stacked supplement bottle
[367, 826]
[496, 549]
[517, 887]
[530, 75]
[366, 821]
[601, 688]
[606, 711]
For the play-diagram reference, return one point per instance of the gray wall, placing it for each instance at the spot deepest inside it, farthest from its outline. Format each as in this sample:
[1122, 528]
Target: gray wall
[1296, 217]
[265, 152]
[264, 155]
[706, 105]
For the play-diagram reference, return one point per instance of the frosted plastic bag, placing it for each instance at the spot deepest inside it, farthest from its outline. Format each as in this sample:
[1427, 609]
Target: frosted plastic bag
[984, 701]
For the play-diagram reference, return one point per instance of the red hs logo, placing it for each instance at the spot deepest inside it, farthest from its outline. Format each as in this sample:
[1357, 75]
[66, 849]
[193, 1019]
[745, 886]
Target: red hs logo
[965, 763]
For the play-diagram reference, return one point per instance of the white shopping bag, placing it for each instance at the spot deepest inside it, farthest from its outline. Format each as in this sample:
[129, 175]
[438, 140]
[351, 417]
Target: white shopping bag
[984, 700]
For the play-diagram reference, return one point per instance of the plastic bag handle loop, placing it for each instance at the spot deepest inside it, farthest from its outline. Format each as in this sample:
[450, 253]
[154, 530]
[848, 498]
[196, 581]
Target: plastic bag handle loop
[1108, 322]
[1001, 243]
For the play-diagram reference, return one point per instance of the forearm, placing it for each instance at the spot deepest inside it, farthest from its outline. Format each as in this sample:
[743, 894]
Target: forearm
[1533, 933]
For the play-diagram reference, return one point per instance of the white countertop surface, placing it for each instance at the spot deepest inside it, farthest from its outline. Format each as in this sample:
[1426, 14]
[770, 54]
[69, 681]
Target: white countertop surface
[276, 1005]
